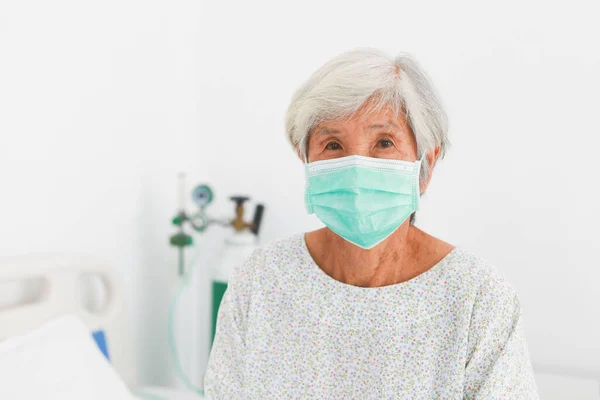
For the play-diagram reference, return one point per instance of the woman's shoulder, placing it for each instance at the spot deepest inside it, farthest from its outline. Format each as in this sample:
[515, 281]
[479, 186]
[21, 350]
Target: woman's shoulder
[459, 266]
[279, 253]
[286, 243]
[482, 276]
[280, 247]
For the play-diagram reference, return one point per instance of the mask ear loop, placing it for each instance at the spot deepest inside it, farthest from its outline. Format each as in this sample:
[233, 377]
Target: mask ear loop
[418, 182]
[305, 152]
[307, 184]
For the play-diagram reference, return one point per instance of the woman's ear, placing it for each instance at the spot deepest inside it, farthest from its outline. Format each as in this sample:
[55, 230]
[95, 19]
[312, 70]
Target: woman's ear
[436, 153]
[431, 158]
[300, 154]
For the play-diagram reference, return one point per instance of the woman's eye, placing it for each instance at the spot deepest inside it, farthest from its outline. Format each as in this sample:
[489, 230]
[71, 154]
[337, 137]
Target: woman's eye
[385, 143]
[333, 146]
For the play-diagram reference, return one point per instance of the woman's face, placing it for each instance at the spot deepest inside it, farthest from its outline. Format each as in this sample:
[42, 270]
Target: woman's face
[378, 135]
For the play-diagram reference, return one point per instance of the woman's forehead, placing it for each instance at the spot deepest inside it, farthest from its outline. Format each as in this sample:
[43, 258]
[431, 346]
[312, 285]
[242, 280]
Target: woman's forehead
[364, 123]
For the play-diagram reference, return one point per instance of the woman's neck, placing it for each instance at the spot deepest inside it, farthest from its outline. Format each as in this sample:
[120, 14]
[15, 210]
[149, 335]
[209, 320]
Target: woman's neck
[392, 261]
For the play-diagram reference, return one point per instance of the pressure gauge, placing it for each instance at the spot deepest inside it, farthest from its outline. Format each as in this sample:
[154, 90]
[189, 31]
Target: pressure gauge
[202, 195]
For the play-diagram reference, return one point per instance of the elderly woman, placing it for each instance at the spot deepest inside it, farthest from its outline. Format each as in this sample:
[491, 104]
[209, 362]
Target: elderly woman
[370, 306]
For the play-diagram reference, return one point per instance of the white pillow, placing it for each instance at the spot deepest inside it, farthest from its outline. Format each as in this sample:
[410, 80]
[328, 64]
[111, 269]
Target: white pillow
[58, 361]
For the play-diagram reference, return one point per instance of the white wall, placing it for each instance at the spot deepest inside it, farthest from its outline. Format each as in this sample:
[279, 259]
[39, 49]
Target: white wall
[101, 104]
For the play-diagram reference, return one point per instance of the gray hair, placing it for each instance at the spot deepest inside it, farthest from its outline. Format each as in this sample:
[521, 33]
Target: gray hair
[341, 86]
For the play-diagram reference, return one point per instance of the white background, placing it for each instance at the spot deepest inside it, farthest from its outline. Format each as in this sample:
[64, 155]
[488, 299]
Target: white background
[103, 103]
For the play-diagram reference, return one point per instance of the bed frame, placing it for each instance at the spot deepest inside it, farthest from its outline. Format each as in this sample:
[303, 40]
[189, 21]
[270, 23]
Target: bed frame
[58, 292]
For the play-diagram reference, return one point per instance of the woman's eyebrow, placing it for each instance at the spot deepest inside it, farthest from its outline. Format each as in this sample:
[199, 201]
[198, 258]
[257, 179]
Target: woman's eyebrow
[385, 125]
[327, 131]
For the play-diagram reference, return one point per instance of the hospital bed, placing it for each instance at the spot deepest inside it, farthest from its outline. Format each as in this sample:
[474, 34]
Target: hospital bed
[50, 295]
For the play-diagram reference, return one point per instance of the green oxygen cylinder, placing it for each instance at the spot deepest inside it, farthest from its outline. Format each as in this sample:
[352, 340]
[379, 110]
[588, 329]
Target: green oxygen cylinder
[239, 244]
[218, 291]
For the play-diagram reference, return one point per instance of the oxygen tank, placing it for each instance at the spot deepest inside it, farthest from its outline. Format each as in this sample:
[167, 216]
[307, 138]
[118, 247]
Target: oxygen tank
[239, 244]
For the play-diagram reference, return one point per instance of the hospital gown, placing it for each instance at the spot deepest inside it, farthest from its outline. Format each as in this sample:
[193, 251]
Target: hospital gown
[287, 330]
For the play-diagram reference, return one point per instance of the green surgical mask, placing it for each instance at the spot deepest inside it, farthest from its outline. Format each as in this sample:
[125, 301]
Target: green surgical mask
[362, 199]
